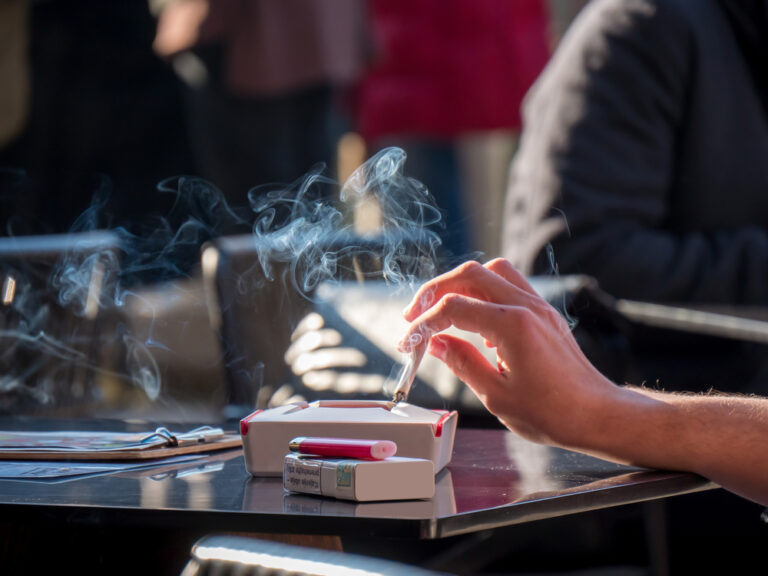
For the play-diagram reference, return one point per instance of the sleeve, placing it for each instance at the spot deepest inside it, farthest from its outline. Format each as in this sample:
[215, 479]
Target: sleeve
[595, 171]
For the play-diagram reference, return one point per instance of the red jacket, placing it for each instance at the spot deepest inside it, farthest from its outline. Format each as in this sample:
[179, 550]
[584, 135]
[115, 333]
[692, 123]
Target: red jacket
[443, 67]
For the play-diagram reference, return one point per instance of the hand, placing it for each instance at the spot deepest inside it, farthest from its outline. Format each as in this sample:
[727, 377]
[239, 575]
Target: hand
[178, 26]
[543, 386]
[546, 390]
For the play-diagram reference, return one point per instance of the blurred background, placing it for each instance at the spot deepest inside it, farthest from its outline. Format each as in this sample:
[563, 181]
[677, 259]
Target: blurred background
[129, 93]
[166, 122]
[151, 155]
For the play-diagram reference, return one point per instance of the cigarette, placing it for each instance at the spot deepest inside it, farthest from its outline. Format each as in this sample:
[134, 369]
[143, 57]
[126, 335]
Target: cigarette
[344, 448]
[408, 374]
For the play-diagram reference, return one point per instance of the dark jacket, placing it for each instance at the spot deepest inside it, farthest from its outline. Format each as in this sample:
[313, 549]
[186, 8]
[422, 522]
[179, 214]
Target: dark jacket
[644, 157]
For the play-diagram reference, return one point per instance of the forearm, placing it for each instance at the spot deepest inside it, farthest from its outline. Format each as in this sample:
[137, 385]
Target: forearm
[723, 438]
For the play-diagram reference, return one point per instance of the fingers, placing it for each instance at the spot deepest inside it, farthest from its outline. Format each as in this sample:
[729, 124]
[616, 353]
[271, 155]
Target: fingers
[467, 363]
[474, 280]
[490, 320]
[504, 268]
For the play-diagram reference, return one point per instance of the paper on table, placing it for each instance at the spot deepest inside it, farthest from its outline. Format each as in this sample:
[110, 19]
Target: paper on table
[102, 445]
[78, 441]
[39, 470]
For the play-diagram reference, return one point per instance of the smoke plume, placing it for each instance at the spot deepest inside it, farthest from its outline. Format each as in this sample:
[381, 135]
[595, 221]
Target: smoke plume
[65, 299]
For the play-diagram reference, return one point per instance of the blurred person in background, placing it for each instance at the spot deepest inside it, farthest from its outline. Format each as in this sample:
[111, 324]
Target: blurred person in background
[445, 84]
[643, 155]
[87, 108]
[14, 73]
[262, 82]
[14, 105]
[562, 14]
[642, 164]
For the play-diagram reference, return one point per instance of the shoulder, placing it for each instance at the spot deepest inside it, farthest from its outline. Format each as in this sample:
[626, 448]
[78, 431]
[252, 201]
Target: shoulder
[628, 16]
[650, 27]
[621, 46]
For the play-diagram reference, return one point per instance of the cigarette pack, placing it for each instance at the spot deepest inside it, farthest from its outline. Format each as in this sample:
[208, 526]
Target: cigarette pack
[394, 478]
[418, 432]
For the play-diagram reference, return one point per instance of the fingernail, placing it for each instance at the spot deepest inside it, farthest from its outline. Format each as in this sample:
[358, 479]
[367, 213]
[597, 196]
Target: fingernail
[437, 348]
[407, 309]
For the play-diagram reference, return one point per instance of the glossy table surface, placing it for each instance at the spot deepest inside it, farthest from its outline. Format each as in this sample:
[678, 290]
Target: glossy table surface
[494, 479]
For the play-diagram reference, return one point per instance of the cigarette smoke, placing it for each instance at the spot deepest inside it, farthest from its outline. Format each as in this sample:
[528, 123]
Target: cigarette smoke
[63, 314]
[301, 228]
[561, 306]
[66, 297]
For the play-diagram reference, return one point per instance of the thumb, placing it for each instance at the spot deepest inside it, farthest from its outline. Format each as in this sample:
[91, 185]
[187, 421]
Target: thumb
[466, 362]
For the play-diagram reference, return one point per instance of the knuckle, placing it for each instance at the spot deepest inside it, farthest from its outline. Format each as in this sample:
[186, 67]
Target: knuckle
[450, 301]
[524, 318]
[554, 317]
[460, 362]
[544, 308]
[498, 264]
[469, 268]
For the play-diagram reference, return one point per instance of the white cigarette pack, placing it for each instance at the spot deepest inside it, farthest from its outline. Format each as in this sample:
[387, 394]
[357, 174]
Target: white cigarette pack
[418, 432]
[362, 480]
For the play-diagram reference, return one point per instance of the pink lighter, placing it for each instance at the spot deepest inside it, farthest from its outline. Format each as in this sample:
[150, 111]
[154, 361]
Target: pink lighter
[344, 447]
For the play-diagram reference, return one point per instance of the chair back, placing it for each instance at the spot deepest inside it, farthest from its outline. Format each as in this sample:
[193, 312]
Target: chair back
[240, 556]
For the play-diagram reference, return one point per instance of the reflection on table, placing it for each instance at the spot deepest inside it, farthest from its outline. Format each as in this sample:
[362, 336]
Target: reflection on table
[495, 479]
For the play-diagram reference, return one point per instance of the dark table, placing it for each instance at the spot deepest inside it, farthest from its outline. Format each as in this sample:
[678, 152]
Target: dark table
[495, 479]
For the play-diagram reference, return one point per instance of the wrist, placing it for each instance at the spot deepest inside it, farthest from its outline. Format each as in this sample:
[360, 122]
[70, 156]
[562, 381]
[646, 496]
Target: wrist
[631, 426]
[594, 413]
[647, 430]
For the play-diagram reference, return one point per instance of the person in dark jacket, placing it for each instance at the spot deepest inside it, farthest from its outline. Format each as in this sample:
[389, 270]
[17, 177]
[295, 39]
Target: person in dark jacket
[643, 164]
[643, 159]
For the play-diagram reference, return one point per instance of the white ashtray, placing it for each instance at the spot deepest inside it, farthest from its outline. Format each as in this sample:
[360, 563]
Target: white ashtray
[418, 432]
